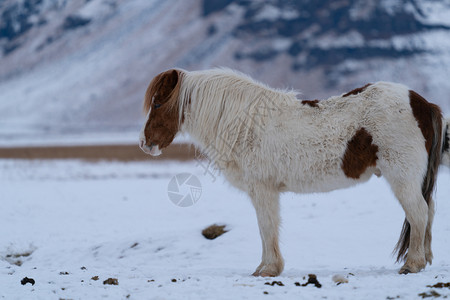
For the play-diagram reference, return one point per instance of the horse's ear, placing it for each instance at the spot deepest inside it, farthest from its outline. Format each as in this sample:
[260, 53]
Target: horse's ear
[161, 87]
[172, 78]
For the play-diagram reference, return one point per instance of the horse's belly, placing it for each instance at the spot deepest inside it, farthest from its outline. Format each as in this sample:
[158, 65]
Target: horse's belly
[316, 183]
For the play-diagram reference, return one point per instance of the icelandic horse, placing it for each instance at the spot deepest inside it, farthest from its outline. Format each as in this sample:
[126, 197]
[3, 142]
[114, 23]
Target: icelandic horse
[265, 141]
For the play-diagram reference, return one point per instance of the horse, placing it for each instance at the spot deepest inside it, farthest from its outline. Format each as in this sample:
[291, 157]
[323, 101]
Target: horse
[265, 142]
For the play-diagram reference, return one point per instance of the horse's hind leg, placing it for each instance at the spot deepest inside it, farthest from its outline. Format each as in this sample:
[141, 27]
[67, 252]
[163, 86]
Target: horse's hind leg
[266, 203]
[416, 210]
[428, 252]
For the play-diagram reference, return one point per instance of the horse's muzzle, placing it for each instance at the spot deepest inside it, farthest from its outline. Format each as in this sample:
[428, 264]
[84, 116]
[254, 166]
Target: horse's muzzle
[153, 149]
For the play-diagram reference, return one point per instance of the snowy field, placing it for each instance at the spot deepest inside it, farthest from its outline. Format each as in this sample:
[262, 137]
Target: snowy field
[64, 222]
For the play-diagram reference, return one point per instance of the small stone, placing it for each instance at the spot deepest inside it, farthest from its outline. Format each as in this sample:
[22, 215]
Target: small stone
[338, 279]
[440, 285]
[111, 281]
[27, 280]
[279, 283]
[432, 293]
[312, 278]
[214, 231]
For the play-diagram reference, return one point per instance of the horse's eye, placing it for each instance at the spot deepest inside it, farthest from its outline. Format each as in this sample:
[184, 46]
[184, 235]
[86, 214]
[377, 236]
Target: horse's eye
[157, 105]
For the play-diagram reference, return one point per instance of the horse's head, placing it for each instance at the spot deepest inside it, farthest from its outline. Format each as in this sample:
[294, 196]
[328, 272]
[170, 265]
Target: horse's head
[162, 108]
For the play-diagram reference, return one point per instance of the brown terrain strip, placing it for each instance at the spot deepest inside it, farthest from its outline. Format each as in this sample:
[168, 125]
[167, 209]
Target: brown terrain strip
[181, 152]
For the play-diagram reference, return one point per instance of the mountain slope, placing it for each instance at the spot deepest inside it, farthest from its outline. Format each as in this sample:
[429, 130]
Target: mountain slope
[82, 66]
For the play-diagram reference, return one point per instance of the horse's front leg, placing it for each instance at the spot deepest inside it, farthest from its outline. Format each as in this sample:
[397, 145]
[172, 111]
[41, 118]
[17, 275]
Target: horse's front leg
[267, 206]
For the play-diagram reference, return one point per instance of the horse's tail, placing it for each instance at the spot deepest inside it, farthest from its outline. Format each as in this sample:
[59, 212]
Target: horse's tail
[431, 123]
[446, 143]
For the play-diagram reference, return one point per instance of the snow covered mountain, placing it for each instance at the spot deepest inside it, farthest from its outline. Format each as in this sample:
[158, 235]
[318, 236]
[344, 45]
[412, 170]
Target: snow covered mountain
[79, 66]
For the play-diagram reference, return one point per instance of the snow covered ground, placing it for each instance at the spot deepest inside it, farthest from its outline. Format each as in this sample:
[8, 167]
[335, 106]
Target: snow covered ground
[65, 222]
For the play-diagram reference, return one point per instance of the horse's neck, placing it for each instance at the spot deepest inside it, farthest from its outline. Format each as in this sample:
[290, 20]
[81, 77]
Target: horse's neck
[233, 121]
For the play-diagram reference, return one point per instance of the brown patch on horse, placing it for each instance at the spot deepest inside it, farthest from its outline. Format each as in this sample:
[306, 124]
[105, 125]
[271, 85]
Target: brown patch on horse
[422, 112]
[312, 103]
[359, 155]
[357, 90]
[429, 119]
[162, 97]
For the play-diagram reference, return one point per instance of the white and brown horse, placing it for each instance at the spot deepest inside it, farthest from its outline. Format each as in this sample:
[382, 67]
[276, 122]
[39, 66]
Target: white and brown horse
[266, 141]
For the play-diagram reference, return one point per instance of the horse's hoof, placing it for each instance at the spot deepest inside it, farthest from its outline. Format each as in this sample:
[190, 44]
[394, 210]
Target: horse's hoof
[269, 270]
[413, 266]
[404, 271]
[265, 273]
[410, 269]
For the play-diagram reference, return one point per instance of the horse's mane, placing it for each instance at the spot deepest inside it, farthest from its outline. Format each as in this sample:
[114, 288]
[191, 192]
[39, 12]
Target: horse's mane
[223, 106]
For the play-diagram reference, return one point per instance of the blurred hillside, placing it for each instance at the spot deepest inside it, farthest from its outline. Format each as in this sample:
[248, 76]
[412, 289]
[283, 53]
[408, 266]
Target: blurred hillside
[80, 66]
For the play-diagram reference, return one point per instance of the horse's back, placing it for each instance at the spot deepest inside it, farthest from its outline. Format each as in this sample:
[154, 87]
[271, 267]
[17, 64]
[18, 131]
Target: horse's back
[373, 129]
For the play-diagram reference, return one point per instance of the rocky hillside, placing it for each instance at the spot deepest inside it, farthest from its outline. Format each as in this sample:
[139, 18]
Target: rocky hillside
[83, 65]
